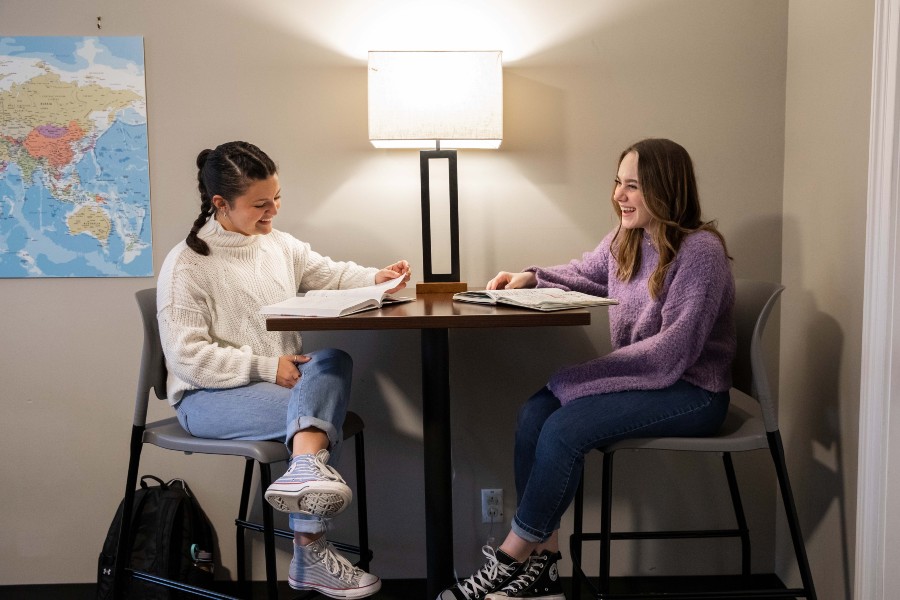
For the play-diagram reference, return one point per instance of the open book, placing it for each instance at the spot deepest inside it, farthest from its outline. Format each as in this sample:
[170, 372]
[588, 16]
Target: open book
[545, 299]
[336, 303]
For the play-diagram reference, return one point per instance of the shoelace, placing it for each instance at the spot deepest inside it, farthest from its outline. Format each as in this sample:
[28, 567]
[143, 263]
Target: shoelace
[326, 471]
[481, 581]
[324, 504]
[529, 575]
[337, 565]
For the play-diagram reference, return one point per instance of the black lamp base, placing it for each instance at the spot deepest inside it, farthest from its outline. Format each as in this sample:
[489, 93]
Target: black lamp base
[440, 282]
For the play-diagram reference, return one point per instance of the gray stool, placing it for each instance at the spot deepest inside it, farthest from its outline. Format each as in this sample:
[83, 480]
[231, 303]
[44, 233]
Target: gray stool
[742, 431]
[168, 434]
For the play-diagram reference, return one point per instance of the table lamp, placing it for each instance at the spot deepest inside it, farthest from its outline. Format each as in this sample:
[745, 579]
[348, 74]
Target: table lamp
[437, 102]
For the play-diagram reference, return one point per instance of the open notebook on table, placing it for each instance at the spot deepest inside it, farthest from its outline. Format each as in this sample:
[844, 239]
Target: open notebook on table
[544, 299]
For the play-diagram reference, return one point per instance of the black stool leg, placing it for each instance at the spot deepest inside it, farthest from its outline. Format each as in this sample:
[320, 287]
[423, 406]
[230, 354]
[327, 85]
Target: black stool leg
[575, 541]
[790, 509]
[365, 554]
[606, 522]
[243, 517]
[265, 478]
[123, 547]
[738, 513]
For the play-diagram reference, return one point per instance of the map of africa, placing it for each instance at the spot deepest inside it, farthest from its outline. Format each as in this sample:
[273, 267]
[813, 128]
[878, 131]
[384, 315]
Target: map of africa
[74, 177]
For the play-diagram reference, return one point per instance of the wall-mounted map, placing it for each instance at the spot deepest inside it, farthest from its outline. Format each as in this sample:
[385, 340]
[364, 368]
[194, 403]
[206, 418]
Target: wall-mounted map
[74, 177]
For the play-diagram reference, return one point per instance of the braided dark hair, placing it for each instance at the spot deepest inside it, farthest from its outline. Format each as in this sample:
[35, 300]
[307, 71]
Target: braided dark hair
[226, 171]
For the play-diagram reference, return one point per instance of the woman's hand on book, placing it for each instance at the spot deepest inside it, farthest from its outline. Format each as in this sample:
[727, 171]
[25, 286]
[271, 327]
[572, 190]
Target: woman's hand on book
[511, 281]
[399, 270]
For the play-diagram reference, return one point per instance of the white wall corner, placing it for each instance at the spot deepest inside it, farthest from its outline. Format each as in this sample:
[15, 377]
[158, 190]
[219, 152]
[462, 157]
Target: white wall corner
[881, 331]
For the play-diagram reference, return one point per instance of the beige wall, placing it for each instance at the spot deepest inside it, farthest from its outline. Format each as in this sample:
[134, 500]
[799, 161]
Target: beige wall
[825, 179]
[582, 80]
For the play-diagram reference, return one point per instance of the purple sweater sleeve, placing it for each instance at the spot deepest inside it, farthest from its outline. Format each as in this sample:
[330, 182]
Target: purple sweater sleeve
[590, 275]
[687, 333]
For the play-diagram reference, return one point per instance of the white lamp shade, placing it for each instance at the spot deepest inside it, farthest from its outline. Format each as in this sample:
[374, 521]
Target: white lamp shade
[417, 99]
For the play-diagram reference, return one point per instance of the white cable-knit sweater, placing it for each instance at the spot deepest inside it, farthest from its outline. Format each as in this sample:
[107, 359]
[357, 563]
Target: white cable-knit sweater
[208, 306]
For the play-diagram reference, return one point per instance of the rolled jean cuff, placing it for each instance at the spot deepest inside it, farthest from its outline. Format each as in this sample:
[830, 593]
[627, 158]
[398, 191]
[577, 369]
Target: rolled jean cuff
[305, 422]
[301, 523]
[528, 534]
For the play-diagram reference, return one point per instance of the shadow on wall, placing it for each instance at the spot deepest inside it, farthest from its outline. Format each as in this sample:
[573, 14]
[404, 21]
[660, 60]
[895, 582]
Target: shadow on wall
[816, 449]
[813, 442]
[533, 127]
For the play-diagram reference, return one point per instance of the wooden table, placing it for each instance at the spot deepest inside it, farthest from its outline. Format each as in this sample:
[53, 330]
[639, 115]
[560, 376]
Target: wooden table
[435, 315]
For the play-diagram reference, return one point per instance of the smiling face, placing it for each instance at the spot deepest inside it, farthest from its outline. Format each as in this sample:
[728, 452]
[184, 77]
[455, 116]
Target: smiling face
[629, 195]
[252, 212]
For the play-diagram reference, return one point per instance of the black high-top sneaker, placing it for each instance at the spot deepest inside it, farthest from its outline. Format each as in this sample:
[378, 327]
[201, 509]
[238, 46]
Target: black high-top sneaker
[539, 580]
[500, 569]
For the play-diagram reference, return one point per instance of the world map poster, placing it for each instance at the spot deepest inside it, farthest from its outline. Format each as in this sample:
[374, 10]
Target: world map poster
[74, 176]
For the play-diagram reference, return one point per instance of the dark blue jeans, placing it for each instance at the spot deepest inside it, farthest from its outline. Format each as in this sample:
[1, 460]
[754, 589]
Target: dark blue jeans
[552, 440]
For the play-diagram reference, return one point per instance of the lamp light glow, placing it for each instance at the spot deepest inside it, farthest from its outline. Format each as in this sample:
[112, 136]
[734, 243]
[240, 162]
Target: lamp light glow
[436, 99]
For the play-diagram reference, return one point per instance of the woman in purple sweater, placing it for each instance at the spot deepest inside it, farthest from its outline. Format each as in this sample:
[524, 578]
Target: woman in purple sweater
[668, 374]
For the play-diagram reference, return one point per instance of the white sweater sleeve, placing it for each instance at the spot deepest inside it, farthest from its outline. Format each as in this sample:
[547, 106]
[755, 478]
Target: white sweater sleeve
[318, 272]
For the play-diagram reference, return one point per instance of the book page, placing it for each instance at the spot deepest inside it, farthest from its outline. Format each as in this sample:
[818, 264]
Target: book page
[316, 306]
[532, 296]
[376, 291]
[549, 298]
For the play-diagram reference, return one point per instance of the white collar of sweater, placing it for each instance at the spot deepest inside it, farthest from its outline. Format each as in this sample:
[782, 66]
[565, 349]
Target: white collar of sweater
[214, 234]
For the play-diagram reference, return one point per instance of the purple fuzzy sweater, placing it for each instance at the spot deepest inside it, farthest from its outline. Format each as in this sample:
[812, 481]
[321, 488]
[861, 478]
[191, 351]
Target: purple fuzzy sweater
[686, 333]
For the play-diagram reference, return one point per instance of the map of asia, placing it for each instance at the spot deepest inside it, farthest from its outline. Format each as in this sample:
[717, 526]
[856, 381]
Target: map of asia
[74, 177]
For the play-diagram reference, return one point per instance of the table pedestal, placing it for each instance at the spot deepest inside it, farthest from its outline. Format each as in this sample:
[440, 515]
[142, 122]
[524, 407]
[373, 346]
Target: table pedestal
[438, 467]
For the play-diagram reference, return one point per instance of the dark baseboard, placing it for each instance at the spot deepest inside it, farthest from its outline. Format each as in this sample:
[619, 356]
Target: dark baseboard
[415, 589]
[690, 587]
[391, 589]
[62, 591]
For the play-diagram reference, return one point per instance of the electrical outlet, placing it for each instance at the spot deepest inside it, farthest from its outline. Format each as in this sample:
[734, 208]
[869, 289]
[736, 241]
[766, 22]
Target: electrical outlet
[492, 506]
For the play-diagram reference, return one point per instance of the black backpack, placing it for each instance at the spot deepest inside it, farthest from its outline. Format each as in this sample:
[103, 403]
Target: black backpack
[170, 537]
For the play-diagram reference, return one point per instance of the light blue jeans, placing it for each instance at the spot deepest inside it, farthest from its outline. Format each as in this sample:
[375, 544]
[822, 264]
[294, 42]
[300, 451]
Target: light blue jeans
[266, 411]
[552, 440]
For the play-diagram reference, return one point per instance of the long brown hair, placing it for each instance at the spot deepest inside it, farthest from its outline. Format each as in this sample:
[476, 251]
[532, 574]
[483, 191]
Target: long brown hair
[666, 178]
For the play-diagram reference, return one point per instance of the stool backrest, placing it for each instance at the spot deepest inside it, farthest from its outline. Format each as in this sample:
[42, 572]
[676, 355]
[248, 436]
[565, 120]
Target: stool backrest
[754, 301]
[153, 363]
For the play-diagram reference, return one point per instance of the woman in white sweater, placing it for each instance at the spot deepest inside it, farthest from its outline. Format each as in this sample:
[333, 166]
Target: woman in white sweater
[230, 378]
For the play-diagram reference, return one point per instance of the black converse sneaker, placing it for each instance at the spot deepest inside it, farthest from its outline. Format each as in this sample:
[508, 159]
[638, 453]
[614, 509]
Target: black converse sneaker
[538, 580]
[499, 570]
